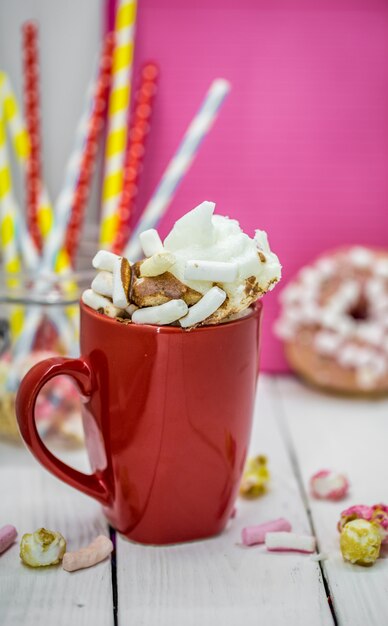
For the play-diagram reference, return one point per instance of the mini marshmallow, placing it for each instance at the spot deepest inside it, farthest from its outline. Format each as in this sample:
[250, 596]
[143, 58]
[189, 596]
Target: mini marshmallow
[151, 242]
[96, 552]
[104, 260]
[289, 542]
[121, 282]
[103, 283]
[214, 271]
[252, 535]
[8, 535]
[204, 307]
[328, 485]
[131, 309]
[162, 314]
[41, 548]
[157, 264]
[97, 302]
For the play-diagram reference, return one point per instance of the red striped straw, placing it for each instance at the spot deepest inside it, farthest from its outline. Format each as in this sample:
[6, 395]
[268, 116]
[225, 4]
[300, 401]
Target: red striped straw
[90, 149]
[32, 116]
[134, 153]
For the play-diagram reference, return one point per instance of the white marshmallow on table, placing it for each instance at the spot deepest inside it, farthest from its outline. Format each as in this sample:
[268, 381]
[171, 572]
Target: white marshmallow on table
[151, 242]
[207, 305]
[119, 290]
[217, 271]
[289, 541]
[97, 302]
[162, 314]
[104, 260]
[157, 264]
[103, 283]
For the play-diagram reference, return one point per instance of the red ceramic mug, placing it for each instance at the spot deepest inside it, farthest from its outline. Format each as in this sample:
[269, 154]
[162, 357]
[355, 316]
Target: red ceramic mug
[167, 415]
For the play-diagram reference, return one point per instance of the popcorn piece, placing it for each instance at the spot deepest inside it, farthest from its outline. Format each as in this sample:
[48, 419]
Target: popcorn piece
[104, 260]
[151, 242]
[155, 290]
[217, 271]
[41, 548]
[121, 282]
[255, 478]
[157, 264]
[8, 535]
[204, 308]
[96, 552]
[378, 514]
[379, 517]
[103, 283]
[100, 303]
[360, 542]
[162, 314]
[328, 485]
[252, 535]
[289, 542]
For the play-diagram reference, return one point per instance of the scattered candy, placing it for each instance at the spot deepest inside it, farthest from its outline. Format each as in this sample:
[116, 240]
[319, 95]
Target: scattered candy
[104, 260]
[96, 552]
[252, 535]
[217, 271]
[378, 514]
[162, 314]
[380, 518]
[42, 548]
[289, 542]
[100, 303]
[328, 485]
[8, 535]
[204, 307]
[360, 542]
[255, 478]
[157, 264]
[151, 242]
[103, 283]
[121, 282]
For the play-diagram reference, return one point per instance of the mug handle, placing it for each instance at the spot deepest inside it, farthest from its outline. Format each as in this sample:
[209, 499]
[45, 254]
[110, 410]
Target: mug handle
[79, 370]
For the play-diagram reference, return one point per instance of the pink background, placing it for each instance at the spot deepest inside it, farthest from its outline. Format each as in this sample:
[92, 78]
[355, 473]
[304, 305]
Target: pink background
[301, 146]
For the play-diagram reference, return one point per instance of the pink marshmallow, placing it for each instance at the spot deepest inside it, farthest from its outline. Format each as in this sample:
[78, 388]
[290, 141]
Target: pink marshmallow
[289, 542]
[8, 535]
[328, 485]
[252, 535]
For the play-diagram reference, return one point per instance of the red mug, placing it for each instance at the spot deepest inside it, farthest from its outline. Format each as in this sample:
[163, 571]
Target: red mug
[167, 415]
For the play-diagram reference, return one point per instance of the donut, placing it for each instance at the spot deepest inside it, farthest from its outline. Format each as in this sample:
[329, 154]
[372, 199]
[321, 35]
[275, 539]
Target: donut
[334, 322]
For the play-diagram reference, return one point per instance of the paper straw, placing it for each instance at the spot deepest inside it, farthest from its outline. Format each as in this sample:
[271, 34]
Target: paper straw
[119, 102]
[179, 164]
[90, 148]
[33, 173]
[134, 153]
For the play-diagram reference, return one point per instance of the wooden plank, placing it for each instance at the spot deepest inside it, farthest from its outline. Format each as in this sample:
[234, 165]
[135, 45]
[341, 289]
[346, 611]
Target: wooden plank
[30, 498]
[349, 436]
[218, 581]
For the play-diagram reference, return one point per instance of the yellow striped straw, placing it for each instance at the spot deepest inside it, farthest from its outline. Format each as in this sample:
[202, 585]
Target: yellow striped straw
[119, 102]
[8, 219]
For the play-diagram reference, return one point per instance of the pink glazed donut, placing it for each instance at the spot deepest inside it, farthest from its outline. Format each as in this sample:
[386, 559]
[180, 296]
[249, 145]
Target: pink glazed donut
[334, 322]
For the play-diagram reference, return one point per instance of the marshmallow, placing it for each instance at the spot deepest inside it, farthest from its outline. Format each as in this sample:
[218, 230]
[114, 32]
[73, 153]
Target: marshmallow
[261, 241]
[121, 282]
[103, 283]
[97, 302]
[204, 308]
[328, 485]
[161, 314]
[157, 264]
[217, 271]
[96, 552]
[42, 548]
[252, 535]
[104, 260]
[131, 309]
[151, 242]
[327, 343]
[8, 535]
[289, 542]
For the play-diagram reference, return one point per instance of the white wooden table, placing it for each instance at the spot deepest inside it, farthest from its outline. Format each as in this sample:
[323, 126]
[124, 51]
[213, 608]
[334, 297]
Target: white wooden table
[217, 581]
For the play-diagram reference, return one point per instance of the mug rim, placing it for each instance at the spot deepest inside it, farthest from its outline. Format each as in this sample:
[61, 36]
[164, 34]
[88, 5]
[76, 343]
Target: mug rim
[256, 311]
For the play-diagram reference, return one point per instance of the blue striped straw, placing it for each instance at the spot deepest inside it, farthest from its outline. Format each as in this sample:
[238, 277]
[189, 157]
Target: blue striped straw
[179, 164]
